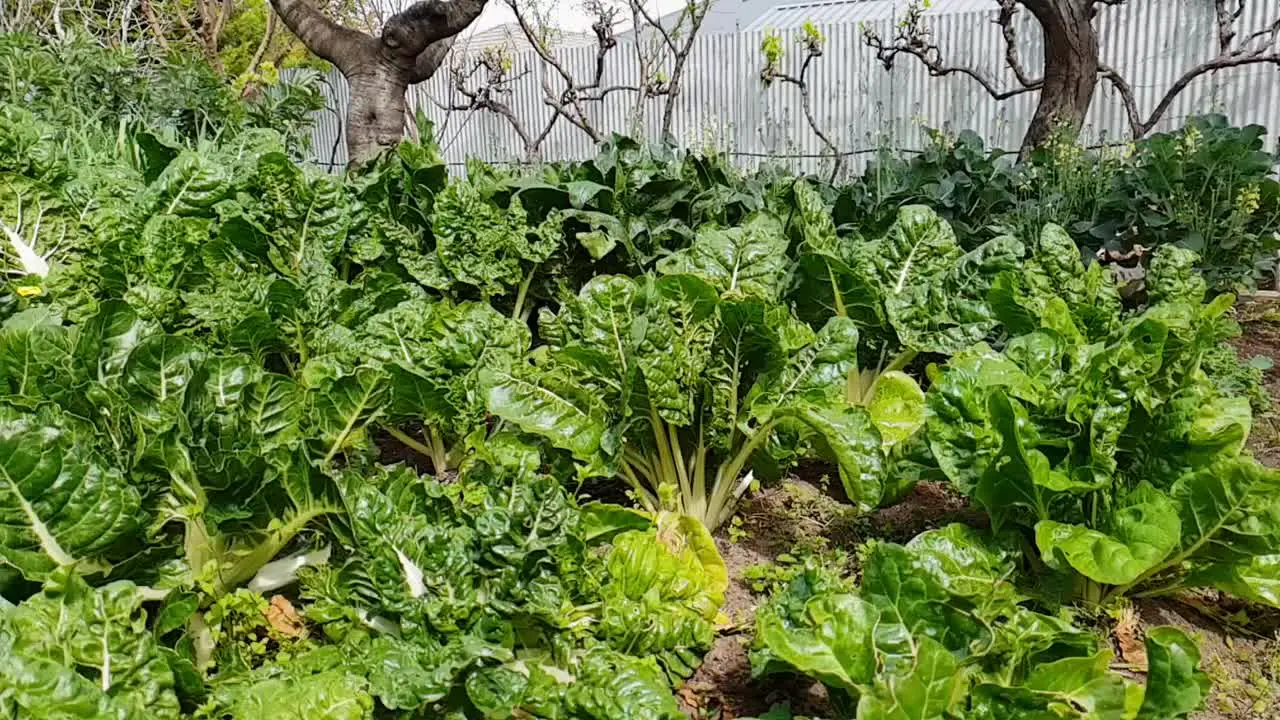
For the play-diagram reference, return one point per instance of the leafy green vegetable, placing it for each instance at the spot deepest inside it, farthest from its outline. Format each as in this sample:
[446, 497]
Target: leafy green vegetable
[912, 291]
[424, 358]
[675, 386]
[208, 354]
[494, 584]
[938, 629]
[1116, 451]
[485, 246]
[76, 651]
[62, 504]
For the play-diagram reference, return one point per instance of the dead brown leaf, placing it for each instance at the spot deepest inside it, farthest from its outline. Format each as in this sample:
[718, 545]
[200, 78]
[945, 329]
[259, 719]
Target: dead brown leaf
[284, 619]
[1129, 639]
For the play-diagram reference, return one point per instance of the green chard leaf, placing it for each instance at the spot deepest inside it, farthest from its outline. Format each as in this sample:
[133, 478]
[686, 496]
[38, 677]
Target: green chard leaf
[1140, 533]
[73, 651]
[1175, 684]
[743, 261]
[61, 505]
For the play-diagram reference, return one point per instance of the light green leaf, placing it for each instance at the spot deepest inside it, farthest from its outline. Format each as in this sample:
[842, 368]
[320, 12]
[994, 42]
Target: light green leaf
[72, 651]
[1018, 476]
[927, 690]
[964, 561]
[1225, 510]
[835, 645]
[852, 439]
[1140, 533]
[945, 309]
[1256, 579]
[545, 404]
[817, 374]
[1076, 688]
[897, 407]
[340, 405]
[1175, 684]
[962, 435]
[189, 185]
[1173, 277]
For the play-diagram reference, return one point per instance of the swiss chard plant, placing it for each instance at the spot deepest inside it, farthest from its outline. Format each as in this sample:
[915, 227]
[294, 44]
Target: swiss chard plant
[1114, 451]
[131, 451]
[676, 383]
[938, 629]
[912, 291]
[420, 363]
[499, 595]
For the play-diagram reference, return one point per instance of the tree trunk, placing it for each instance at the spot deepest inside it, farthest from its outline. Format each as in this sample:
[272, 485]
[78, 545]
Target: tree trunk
[379, 70]
[375, 116]
[1070, 68]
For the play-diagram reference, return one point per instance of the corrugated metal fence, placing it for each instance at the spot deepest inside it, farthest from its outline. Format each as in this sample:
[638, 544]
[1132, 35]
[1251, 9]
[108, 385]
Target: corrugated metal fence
[859, 104]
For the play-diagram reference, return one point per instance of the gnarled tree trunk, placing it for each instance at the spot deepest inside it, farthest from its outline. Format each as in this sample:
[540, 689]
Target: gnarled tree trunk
[1070, 68]
[379, 70]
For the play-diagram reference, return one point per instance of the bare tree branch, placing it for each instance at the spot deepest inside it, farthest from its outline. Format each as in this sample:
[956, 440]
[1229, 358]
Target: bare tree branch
[1008, 29]
[215, 36]
[153, 22]
[914, 38]
[1260, 47]
[268, 34]
[570, 103]
[813, 43]
[495, 65]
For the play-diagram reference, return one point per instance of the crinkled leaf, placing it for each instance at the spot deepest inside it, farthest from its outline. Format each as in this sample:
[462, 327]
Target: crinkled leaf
[550, 405]
[964, 561]
[156, 378]
[816, 374]
[72, 651]
[1256, 579]
[1227, 511]
[740, 261]
[961, 434]
[945, 309]
[1079, 687]
[853, 441]
[1140, 533]
[926, 690]
[60, 503]
[834, 643]
[897, 407]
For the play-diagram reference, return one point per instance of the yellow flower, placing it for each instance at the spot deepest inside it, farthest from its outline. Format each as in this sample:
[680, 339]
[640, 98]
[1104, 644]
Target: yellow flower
[1248, 200]
[30, 291]
[1190, 140]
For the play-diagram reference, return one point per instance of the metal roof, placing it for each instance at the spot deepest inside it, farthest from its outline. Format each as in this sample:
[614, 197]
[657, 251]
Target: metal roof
[510, 36]
[832, 12]
[725, 16]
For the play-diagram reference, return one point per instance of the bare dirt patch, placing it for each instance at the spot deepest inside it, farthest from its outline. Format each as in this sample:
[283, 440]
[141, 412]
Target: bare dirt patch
[775, 521]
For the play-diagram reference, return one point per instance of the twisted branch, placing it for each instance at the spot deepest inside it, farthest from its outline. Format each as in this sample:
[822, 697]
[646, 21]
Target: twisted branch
[813, 44]
[1260, 47]
[915, 39]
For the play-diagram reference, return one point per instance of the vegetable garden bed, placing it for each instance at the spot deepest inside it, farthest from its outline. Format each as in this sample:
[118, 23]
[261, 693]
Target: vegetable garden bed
[628, 438]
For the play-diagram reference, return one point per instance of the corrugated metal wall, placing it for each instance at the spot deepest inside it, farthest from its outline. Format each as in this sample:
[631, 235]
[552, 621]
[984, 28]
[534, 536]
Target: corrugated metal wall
[859, 104]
